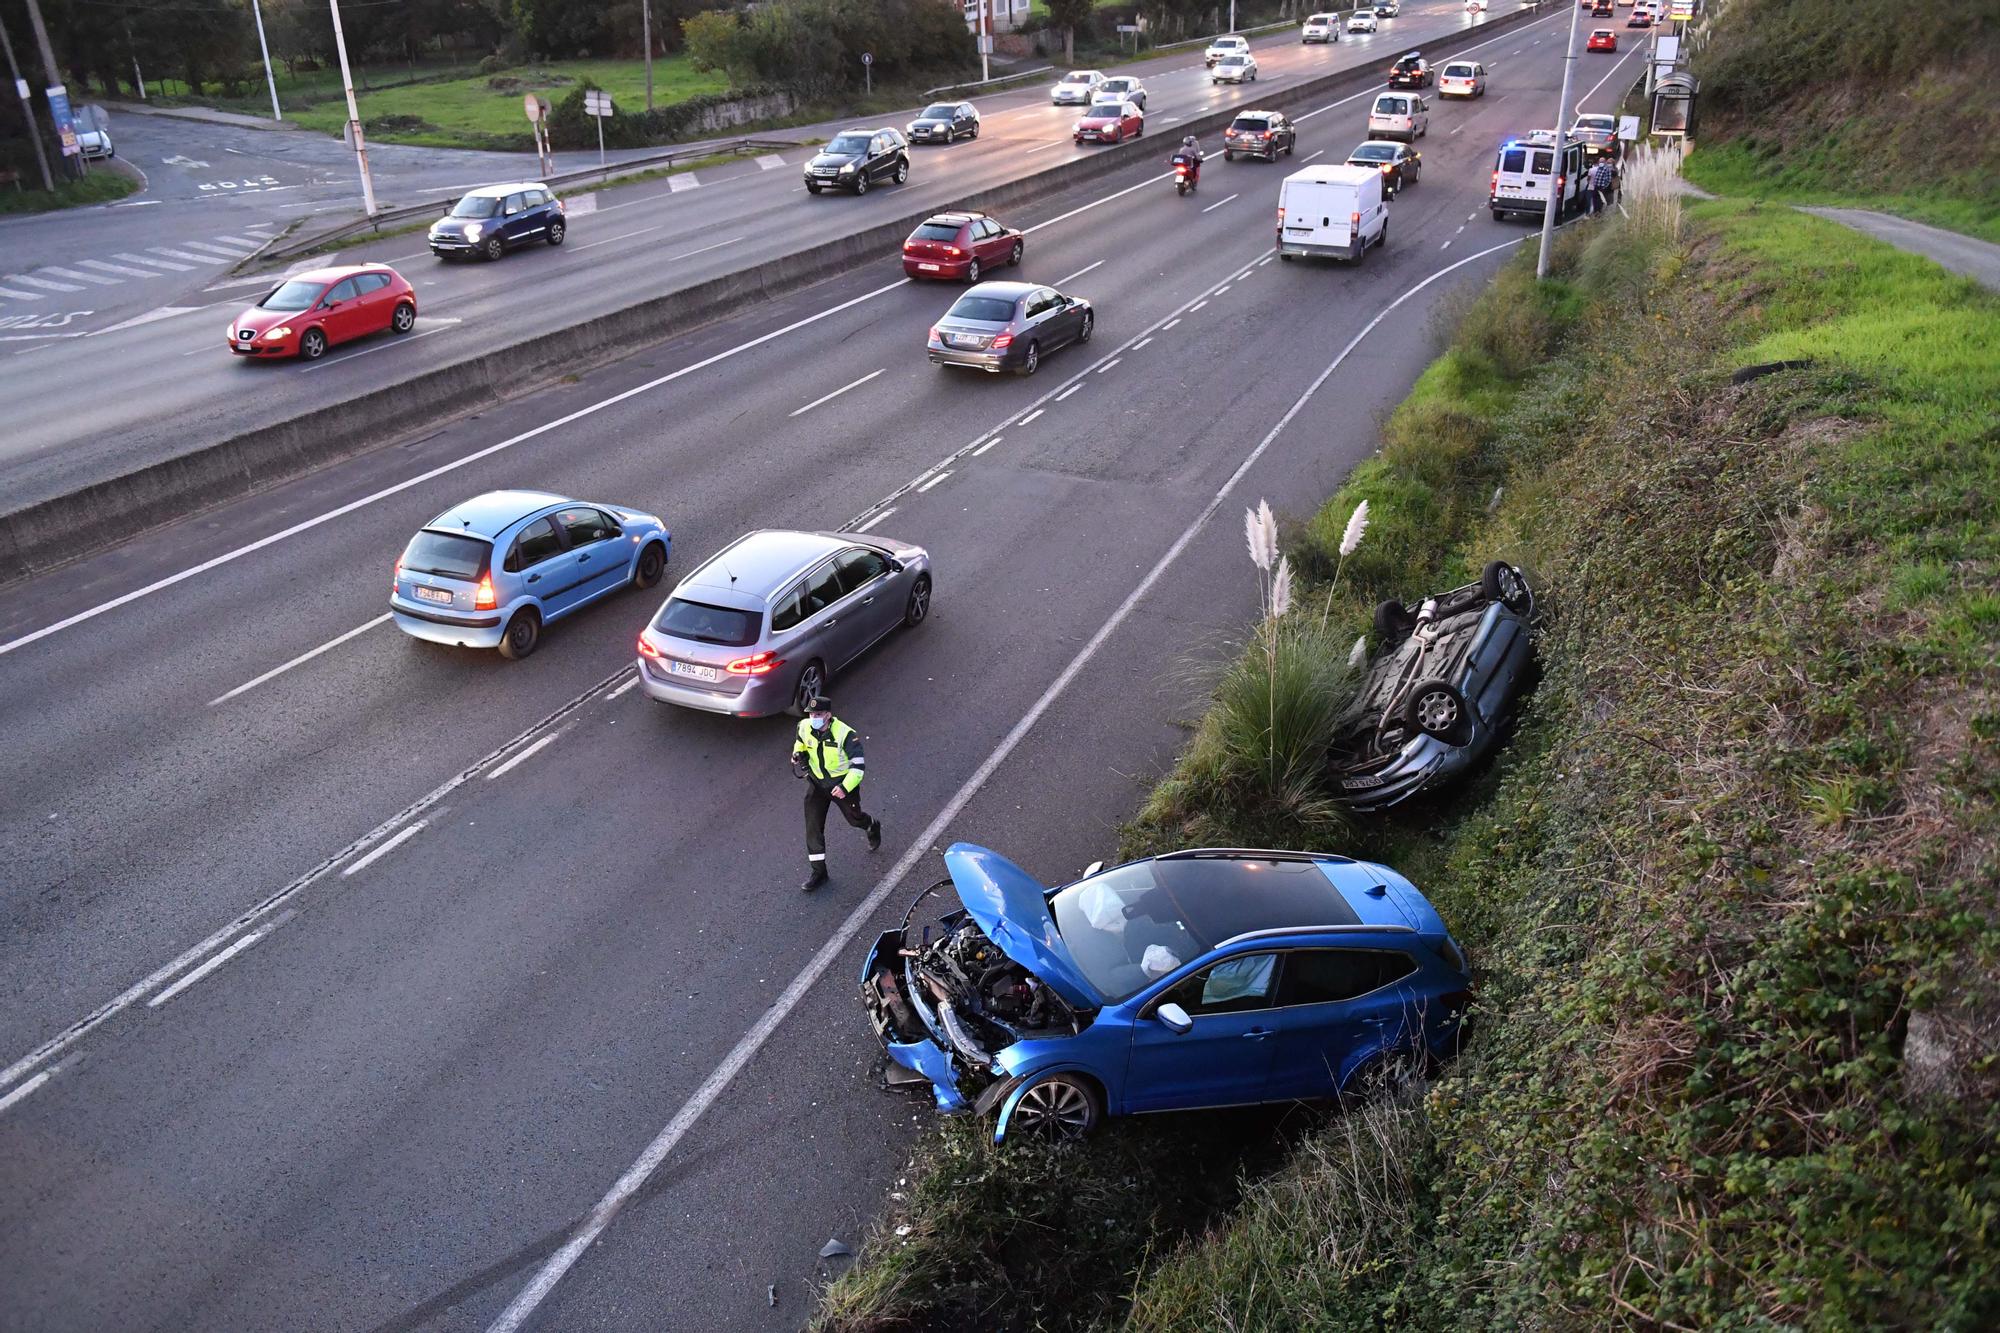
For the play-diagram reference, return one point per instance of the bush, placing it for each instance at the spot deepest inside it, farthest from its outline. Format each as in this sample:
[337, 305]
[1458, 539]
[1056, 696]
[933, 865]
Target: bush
[492, 64]
[571, 127]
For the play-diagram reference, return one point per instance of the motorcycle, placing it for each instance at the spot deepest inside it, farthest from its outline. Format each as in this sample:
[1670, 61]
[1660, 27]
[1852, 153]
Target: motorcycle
[1186, 175]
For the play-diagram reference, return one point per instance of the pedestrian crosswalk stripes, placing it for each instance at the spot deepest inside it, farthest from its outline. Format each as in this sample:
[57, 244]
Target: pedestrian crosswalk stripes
[45, 283]
[148, 259]
[241, 244]
[10, 294]
[123, 270]
[205, 247]
[76, 274]
[97, 278]
[180, 254]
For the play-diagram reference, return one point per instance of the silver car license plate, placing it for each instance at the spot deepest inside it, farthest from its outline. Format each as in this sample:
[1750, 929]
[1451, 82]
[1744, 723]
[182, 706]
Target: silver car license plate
[694, 671]
[438, 595]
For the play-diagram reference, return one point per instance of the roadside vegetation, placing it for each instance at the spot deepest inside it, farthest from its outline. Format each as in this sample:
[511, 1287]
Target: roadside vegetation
[1729, 888]
[1865, 103]
[101, 186]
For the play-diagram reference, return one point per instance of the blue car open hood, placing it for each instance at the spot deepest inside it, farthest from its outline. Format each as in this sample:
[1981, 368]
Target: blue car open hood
[1012, 907]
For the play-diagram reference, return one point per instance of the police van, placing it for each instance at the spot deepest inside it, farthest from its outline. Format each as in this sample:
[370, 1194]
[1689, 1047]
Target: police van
[1527, 169]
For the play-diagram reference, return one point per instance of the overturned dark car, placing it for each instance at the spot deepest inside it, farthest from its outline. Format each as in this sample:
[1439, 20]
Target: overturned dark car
[1441, 681]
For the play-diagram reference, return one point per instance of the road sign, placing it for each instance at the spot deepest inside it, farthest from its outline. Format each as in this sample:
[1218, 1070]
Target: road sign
[1628, 127]
[1681, 11]
[65, 123]
[867, 57]
[596, 102]
[534, 106]
[1128, 27]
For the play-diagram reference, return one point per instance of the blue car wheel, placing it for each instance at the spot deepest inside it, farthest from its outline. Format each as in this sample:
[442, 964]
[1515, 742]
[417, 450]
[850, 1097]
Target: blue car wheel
[1058, 1106]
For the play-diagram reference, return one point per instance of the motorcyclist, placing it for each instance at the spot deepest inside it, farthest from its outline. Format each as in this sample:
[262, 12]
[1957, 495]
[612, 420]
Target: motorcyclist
[1190, 153]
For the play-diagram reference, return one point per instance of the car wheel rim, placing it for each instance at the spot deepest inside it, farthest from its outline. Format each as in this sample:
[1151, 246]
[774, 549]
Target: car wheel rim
[1034, 358]
[651, 563]
[1089, 327]
[1056, 1108]
[1510, 585]
[313, 343]
[1437, 711]
[522, 632]
[920, 602]
[972, 271]
[809, 685]
[556, 233]
[1016, 258]
[405, 317]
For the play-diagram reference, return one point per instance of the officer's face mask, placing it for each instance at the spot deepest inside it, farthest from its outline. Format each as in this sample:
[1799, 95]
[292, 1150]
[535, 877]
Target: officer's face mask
[819, 721]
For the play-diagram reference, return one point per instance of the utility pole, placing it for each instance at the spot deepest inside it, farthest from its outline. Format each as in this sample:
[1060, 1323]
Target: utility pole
[1561, 138]
[1232, 15]
[985, 40]
[138, 75]
[27, 110]
[270, 81]
[55, 86]
[354, 112]
[646, 32]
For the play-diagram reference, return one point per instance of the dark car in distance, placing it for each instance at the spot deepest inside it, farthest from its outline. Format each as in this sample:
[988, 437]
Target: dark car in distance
[1263, 134]
[1400, 164]
[960, 246]
[856, 159]
[494, 219]
[1442, 680]
[945, 122]
[1000, 326]
[1411, 71]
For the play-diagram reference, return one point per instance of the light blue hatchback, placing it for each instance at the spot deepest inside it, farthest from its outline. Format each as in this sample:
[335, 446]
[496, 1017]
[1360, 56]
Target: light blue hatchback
[491, 572]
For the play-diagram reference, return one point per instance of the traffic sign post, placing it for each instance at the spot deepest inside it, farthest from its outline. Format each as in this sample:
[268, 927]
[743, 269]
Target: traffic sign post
[597, 105]
[538, 116]
[868, 71]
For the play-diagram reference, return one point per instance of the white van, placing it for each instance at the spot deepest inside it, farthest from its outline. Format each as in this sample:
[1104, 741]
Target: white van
[1331, 211]
[1320, 28]
[1528, 168]
[1404, 116]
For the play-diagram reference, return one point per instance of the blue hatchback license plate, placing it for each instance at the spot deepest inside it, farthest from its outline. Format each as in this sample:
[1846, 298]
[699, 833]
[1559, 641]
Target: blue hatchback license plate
[438, 595]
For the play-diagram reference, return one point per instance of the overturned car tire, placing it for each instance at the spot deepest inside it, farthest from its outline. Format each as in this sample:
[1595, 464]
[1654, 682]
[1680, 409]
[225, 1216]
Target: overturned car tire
[1437, 709]
[1393, 622]
[1503, 583]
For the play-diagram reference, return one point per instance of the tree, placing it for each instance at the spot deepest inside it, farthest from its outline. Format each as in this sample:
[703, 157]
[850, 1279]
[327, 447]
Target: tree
[1069, 15]
[711, 40]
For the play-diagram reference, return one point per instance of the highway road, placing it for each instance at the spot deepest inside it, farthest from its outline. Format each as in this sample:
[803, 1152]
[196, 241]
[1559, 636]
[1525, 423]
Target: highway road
[177, 387]
[348, 976]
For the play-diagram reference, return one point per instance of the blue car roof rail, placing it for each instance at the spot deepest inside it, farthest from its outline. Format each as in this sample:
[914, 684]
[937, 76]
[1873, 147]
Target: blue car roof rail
[1194, 853]
[1316, 930]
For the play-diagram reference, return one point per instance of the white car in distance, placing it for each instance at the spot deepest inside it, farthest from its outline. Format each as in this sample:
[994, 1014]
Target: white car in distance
[1075, 88]
[1234, 69]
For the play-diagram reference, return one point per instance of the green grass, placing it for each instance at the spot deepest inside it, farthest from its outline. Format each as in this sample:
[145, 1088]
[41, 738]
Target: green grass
[101, 186]
[1729, 167]
[1729, 888]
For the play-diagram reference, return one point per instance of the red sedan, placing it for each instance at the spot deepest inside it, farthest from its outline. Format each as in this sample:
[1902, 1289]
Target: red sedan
[1603, 39]
[311, 311]
[1110, 122]
[960, 245]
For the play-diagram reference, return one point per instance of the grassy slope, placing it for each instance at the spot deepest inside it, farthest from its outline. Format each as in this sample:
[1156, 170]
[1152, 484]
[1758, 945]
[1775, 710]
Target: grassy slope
[1729, 888]
[1874, 103]
[101, 186]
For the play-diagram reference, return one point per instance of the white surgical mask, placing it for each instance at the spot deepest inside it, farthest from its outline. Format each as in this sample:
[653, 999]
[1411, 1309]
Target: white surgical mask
[820, 723]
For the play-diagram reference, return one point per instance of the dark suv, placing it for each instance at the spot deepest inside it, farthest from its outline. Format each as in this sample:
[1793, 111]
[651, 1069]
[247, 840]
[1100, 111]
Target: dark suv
[493, 219]
[1409, 72]
[857, 159]
[1262, 134]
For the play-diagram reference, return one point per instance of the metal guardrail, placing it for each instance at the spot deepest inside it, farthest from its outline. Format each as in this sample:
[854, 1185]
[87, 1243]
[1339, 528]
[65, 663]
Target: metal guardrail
[997, 79]
[388, 217]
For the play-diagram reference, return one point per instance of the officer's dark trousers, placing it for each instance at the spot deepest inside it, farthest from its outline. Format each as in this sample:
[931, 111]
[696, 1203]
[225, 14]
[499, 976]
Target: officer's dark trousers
[818, 795]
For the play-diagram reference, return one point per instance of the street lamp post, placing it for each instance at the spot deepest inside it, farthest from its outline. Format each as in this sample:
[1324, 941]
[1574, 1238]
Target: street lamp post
[1561, 139]
[353, 113]
[270, 80]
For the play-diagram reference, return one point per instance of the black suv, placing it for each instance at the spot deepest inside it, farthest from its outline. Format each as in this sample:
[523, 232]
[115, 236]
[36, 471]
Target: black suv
[493, 219]
[1262, 134]
[1409, 72]
[857, 159]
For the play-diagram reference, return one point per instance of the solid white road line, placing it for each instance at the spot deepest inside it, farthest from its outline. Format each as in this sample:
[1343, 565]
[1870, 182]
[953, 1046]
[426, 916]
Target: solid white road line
[21, 1093]
[1108, 364]
[391, 845]
[690, 254]
[829, 397]
[527, 753]
[1196, 306]
[1042, 148]
[873, 521]
[747, 1046]
[932, 482]
[207, 967]
[1067, 392]
[300, 660]
[1064, 282]
[1031, 416]
[1220, 202]
[984, 447]
[622, 688]
[1310, 156]
[404, 341]
[622, 236]
[1607, 77]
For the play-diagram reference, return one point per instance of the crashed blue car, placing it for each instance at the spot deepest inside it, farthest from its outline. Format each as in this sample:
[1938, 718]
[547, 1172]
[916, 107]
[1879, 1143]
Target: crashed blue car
[1204, 978]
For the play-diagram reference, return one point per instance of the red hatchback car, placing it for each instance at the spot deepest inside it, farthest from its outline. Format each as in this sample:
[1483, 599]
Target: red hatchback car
[960, 245]
[311, 311]
[1109, 122]
[1602, 40]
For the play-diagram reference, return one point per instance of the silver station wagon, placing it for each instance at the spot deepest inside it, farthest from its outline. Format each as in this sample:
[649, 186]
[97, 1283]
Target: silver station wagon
[767, 622]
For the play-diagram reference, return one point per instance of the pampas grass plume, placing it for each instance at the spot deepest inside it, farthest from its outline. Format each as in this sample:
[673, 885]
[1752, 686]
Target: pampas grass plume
[1260, 528]
[1357, 523]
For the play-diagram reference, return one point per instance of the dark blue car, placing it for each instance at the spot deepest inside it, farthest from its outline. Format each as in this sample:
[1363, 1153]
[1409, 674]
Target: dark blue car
[494, 219]
[1215, 977]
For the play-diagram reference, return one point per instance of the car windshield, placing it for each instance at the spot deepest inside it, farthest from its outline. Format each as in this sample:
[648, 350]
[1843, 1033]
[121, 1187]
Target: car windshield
[1374, 152]
[1119, 86]
[986, 309]
[1236, 60]
[940, 112]
[449, 553]
[1596, 123]
[293, 295]
[1077, 77]
[848, 145]
[1254, 124]
[1393, 106]
[936, 231]
[703, 623]
[1458, 71]
[476, 206]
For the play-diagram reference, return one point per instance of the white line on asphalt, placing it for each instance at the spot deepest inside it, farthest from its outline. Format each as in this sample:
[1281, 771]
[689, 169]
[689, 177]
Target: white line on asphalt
[984, 447]
[1455, 130]
[1108, 364]
[44, 283]
[1310, 156]
[622, 688]
[682, 181]
[1031, 416]
[1169, 324]
[873, 521]
[1042, 148]
[527, 753]
[1265, 260]
[1066, 393]
[391, 845]
[181, 254]
[1607, 77]
[697, 1105]
[206, 248]
[169, 265]
[1169, 120]
[932, 482]
[1196, 306]
[103, 267]
[1141, 343]
[1445, 246]
[690, 254]
[97, 278]
[21, 1093]
[13, 295]
[1223, 288]
[1219, 203]
[404, 341]
[1064, 282]
[300, 660]
[829, 397]
[622, 236]
[207, 967]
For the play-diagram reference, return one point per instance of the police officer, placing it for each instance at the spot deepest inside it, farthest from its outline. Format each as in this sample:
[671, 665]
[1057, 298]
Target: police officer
[827, 754]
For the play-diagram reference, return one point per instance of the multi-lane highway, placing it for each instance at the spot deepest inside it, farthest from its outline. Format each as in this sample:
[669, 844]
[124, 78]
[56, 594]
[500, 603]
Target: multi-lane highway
[163, 382]
[349, 977]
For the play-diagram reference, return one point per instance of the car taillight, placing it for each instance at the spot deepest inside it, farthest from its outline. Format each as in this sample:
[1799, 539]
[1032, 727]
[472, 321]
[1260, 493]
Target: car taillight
[646, 649]
[1495, 187]
[934, 334]
[953, 251]
[396, 579]
[1281, 217]
[757, 664]
[1559, 185]
[483, 599]
[1003, 342]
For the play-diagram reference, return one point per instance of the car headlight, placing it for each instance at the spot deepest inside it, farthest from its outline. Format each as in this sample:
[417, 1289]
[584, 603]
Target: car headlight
[848, 169]
[473, 231]
[282, 331]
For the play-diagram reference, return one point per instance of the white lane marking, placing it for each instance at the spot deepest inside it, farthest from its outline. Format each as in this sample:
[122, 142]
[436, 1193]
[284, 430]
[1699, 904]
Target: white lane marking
[1112, 362]
[829, 397]
[1265, 260]
[120, 269]
[1170, 323]
[1223, 288]
[181, 254]
[13, 295]
[44, 283]
[932, 482]
[21, 1093]
[1095, 203]
[241, 245]
[622, 688]
[1141, 343]
[697, 1105]
[97, 278]
[391, 845]
[530, 751]
[682, 181]
[1197, 305]
[1031, 416]
[300, 660]
[404, 341]
[205, 248]
[1170, 120]
[765, 162]
[1455, 130]
[622, 236]
[690, 254]
[1445, 246]
[1066, 393]
[1607, 77]
[207, 967]
[169, 265]
[1064, 282]
[1042, 148]
[1219, 203]
[873, 521]
[984, 447]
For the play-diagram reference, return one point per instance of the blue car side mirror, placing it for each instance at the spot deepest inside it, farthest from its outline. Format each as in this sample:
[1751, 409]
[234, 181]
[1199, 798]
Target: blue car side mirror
[1175, 1017]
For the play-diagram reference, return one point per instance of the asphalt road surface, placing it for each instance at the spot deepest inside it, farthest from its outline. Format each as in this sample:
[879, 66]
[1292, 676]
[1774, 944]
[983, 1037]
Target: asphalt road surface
[347, 975]
[177, 387]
